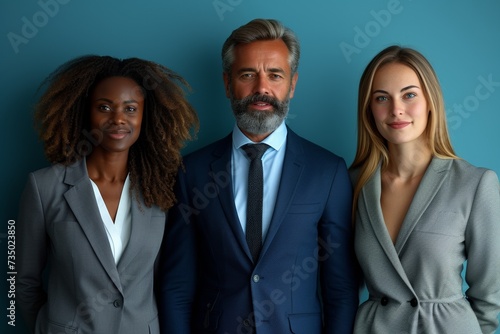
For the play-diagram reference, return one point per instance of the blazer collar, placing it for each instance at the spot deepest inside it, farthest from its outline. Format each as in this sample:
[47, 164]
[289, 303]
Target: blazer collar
[429, 186]
[293, 167]
[221, 170]
[370, 196]
[141, 218]
[292, 170]
[81, 199]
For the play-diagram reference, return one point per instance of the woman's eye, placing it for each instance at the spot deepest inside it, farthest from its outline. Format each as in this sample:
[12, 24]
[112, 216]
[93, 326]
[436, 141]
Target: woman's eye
[410, 95]
[104, 108]
[381, 98]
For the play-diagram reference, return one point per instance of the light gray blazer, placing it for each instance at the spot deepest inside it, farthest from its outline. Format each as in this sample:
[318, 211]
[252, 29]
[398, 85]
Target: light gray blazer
[415, 286]
[59, 224]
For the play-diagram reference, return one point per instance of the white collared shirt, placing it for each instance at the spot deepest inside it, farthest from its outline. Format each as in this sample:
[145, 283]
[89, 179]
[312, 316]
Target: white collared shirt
[272, 164]
[118, 233]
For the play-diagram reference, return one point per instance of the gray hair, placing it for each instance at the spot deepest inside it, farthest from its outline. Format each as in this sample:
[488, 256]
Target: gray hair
[258, 30]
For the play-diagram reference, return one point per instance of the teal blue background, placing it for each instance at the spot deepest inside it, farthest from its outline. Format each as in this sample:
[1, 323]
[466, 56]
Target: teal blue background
[460, 38]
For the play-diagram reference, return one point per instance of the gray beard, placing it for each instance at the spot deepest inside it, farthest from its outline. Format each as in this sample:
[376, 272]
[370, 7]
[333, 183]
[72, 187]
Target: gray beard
[256, 121]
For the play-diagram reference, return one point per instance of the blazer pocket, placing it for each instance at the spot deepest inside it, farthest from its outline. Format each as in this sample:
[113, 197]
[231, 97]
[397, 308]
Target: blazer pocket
[304, 208]
[443, 222]
[305, 323]
[209, 311]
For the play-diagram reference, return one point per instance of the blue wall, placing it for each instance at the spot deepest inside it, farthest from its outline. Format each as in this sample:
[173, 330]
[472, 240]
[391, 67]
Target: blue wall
[460, 38]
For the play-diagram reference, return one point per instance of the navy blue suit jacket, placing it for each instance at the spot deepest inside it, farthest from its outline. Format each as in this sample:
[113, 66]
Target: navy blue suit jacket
[305, 279]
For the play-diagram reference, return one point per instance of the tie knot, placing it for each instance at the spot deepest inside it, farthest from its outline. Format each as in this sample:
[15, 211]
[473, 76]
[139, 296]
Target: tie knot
[255, 151]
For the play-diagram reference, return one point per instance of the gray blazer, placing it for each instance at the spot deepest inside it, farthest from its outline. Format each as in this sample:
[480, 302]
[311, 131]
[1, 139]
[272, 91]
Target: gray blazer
[415, 285]
[59, 224]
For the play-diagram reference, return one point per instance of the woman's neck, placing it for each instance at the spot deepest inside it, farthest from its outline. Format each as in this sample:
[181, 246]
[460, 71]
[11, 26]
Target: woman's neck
[408, 161]
[108, 167]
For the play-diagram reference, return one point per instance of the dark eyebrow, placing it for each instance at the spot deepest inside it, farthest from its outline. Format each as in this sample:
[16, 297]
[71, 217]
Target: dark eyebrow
[409, 87]
[110, 101]
[272, 70]
[277, 70]
[402, 89]
[246, 69]
[104, 99]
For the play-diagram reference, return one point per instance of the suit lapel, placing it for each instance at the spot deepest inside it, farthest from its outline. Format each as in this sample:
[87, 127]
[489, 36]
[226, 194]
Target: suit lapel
[429, 186]
[141, 217]
[81, 199]
[371, 203]
[290, 176]
[221, 165]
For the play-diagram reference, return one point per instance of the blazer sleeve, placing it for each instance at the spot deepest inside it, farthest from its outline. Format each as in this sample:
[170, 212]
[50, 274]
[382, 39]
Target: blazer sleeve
[178, 265]
[482, 243]
[339, 275]
[32, 253]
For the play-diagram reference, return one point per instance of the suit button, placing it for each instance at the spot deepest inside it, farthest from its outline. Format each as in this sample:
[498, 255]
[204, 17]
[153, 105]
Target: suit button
[246, 323]
[414, 302]
[384, 301]
[256, 278]
[117, 303]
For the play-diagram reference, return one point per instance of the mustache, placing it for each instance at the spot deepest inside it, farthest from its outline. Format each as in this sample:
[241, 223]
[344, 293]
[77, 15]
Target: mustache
[260, 98]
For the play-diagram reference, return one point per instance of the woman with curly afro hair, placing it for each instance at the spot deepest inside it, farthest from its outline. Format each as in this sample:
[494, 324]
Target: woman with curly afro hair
[94, 221]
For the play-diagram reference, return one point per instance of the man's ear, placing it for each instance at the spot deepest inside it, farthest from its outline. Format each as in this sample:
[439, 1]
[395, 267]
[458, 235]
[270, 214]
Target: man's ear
[293, 84]
[226, 79]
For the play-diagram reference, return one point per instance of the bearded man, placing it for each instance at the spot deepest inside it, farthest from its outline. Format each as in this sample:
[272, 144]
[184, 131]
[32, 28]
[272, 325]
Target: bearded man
[260, 240]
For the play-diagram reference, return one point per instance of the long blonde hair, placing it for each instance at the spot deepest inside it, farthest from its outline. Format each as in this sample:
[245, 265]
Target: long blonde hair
[372, 147]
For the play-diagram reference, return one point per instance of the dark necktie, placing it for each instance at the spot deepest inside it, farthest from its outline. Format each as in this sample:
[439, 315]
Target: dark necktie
[254, 199]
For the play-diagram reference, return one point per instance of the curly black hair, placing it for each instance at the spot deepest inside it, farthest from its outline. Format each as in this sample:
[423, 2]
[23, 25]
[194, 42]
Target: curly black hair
[169, 120]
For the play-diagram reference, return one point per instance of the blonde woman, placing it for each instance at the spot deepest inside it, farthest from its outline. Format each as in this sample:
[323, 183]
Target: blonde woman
[420, 211]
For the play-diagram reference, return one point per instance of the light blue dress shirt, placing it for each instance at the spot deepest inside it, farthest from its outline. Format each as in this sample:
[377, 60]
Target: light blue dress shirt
[272, 163]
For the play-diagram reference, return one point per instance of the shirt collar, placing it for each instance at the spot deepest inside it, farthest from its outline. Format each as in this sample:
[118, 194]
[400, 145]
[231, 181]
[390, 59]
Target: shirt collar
[276, 139]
